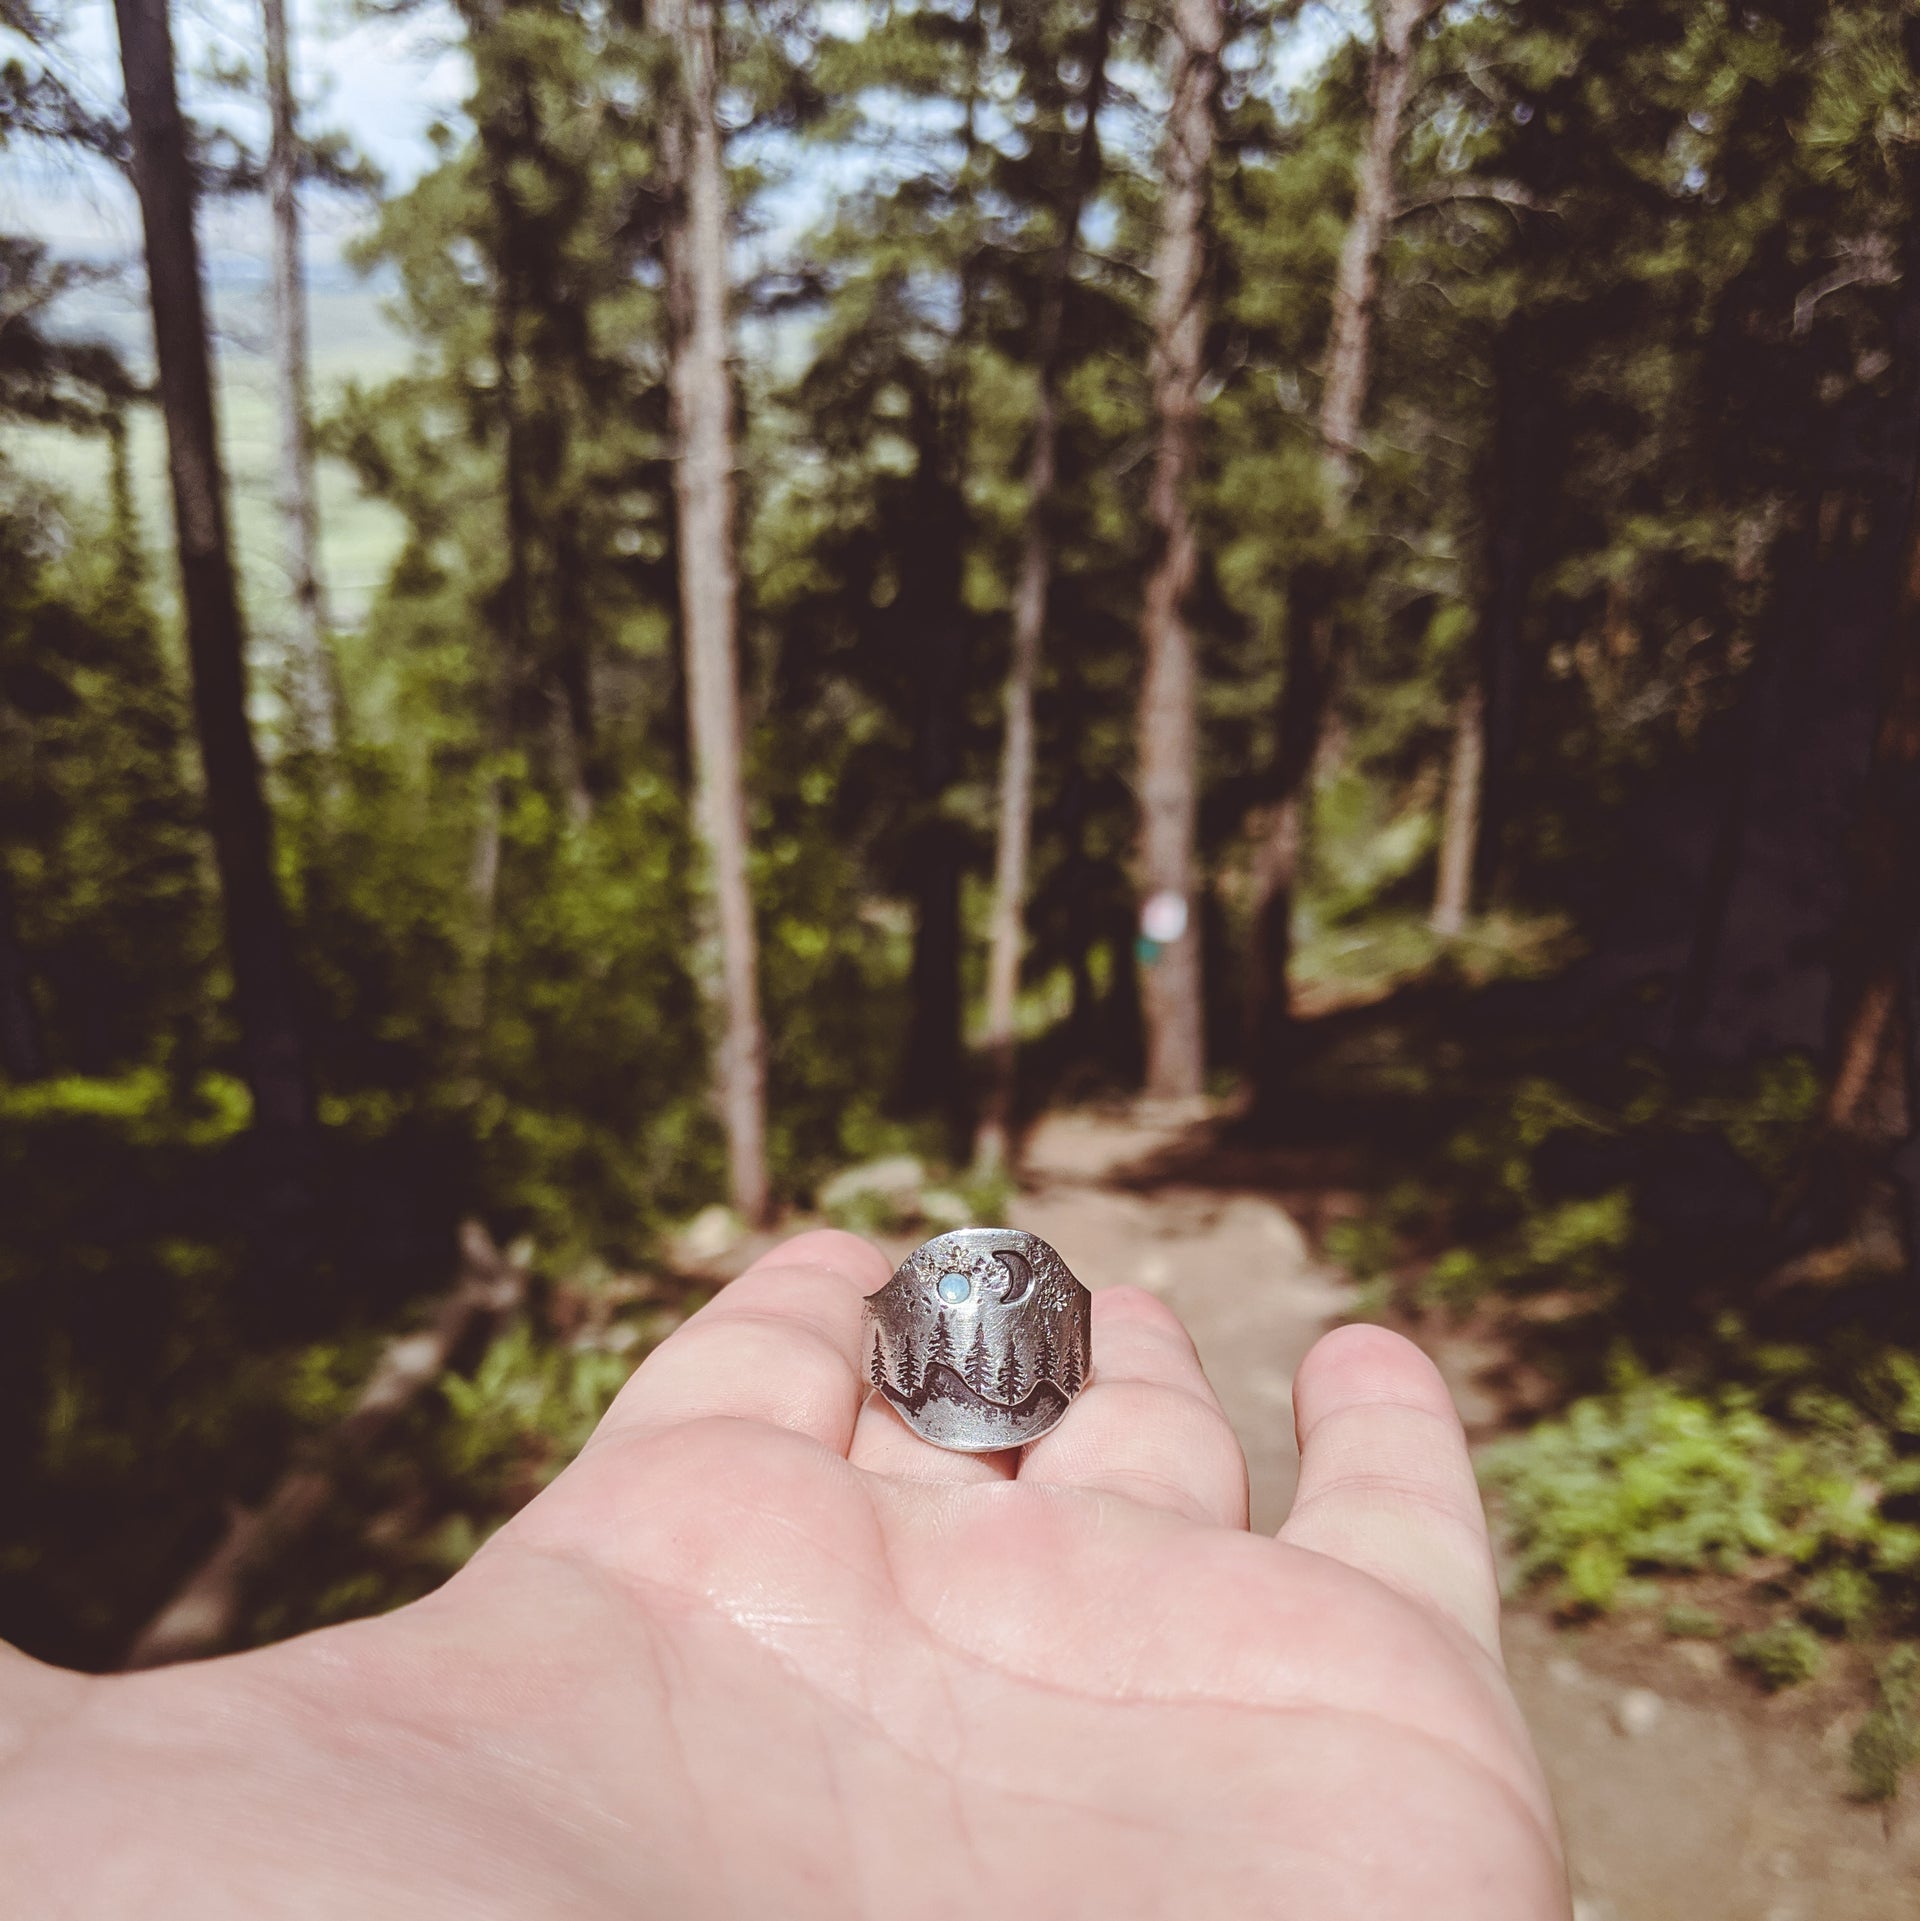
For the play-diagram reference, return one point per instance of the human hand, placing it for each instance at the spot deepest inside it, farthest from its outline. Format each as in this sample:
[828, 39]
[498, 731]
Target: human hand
[761, 1651]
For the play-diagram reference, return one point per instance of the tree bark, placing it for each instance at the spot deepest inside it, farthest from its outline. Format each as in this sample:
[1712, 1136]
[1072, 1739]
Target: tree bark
[1518, 481]
[266, 989]
[23, 1054]
[1006, 928]
[1356, 287]
[316, 694]
[123, 517]
[1313, 639]
[933, 1076]
[501, 133]
[702, 401]
[1885, 1013]
[1887, 1009]
[1171, 1006]
[934, 632]
[1758, 722]
[1460, 825]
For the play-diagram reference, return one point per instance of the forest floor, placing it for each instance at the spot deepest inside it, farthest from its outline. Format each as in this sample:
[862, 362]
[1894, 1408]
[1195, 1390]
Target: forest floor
[1685, 1793]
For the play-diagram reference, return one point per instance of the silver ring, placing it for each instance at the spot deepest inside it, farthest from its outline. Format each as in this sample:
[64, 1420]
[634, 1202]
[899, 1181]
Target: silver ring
[981, 1339]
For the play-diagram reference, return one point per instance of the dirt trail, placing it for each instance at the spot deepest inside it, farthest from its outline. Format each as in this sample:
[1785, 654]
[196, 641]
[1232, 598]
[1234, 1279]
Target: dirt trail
[1684, 1795]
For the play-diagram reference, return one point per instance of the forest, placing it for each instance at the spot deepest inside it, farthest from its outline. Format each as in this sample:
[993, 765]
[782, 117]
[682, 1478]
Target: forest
[1350, 572]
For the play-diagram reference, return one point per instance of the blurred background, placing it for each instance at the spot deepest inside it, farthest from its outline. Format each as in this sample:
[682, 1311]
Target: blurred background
[1282, 641]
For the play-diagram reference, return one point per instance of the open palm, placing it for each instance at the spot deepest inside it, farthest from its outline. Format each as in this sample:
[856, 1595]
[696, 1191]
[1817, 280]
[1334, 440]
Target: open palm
[761, 1651]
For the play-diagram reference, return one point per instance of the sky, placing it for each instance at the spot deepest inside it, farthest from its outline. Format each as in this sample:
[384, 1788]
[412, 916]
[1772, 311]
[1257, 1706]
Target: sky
[381, 81]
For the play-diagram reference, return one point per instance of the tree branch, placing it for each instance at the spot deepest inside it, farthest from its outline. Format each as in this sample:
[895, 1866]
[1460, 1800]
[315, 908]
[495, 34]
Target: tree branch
[1504, 193]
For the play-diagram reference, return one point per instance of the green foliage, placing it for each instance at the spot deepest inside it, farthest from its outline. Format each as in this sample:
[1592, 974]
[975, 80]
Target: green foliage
[1653, 1480]
[471, 1452]
[141, 1105]
[1650, 1478]
[527, 1408]
[1688, 1623]
[99, 826]
[1781, 1656]
[1887, 1743]
[1498, 1172]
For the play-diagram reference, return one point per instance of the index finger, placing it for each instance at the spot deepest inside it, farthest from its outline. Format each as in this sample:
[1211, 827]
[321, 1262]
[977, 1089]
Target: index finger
[781, 1346]
[1386, 1484]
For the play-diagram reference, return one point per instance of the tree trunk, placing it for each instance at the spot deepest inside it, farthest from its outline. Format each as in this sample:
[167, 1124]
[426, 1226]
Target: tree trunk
[500, 126]
[1759, 724]
[933, 1077]
[1171, 1007]
[933, 630]
[1279, 844]
[1343, 400]
[1885, 1014]
[315, 689]
[1888, 1009]
[265, 984]
[1313, 640]
[1460, 825]
[123, 517]
[1013, 842]
[1519, 480]
[23, 1054]
[702, 401]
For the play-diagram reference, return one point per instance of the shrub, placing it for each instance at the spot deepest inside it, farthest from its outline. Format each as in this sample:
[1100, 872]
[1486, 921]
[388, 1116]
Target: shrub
[1888, 1740]
[1686, 1622]
[1650, 1479]
[1781, 1656]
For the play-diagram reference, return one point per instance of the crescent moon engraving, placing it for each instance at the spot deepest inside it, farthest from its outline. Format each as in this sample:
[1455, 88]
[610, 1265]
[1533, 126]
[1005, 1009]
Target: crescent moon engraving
[1019, 1276]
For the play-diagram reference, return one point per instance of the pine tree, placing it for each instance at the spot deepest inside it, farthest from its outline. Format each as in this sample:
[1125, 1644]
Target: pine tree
[1079, 167]
[266, 990]
[1314, 639]
[709, 585]
[23, 1054]
[1169, 719]
[315, 680]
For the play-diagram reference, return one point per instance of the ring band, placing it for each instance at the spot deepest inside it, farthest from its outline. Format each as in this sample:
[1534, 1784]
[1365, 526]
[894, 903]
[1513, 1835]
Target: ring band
[981, 1340]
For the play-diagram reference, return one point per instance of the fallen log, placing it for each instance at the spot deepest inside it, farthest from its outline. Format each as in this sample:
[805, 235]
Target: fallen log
[204, 1612]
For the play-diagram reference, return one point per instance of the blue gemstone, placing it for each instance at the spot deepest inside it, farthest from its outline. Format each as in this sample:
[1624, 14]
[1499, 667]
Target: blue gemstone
[954, 1288]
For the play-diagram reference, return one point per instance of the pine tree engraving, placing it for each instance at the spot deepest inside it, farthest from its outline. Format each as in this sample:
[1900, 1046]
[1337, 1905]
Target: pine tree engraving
[1047, 1360]
[976, 1368]
[1072, 1369]
[942, 1343]
[1007, 1384]
[906, 1380]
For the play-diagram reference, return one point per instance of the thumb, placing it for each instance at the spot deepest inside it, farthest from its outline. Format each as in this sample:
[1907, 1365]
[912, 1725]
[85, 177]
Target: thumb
[1385, 1482]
